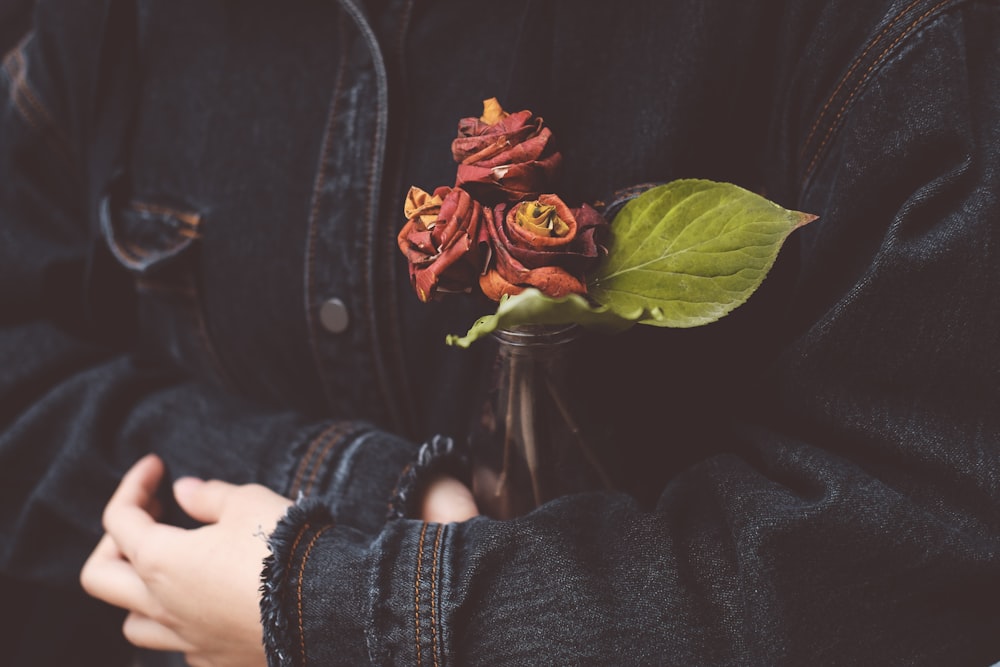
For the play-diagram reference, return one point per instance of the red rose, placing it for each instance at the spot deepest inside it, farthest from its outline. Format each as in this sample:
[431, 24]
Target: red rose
[504, 157]
[438, 240]
[543, 244]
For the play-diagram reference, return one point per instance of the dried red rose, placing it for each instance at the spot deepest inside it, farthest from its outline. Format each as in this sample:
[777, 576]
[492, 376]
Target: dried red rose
[438, 240]
[504, 157]
[542, 244]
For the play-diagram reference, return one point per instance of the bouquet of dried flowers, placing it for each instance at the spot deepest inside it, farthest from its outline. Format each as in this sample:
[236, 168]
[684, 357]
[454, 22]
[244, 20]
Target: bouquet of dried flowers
[681, 254]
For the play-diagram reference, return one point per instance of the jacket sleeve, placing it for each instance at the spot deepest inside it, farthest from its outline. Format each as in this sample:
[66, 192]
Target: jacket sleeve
[852, 519]
[77, 405]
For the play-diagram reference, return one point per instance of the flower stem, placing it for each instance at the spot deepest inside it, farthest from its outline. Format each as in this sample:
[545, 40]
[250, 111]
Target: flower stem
[577, 433]
[506, 409]
[528, 426]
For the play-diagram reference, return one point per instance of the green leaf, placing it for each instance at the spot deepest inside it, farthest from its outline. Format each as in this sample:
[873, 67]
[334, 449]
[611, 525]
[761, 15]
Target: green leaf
[533, 307]
[682, 254]
[687, 253]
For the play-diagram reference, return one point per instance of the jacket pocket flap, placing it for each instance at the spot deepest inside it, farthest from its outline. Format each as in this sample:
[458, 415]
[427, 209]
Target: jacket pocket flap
[145, 235]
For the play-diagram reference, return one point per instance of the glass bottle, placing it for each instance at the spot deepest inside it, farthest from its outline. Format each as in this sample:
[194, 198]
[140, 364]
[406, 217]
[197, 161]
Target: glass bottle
[532, 442]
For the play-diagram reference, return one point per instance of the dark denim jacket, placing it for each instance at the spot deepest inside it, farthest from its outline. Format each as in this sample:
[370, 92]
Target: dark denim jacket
[815, 479]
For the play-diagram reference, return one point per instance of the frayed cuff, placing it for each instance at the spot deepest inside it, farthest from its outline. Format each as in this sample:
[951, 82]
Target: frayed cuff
[278, 634]
[351, 467]
[315, 606]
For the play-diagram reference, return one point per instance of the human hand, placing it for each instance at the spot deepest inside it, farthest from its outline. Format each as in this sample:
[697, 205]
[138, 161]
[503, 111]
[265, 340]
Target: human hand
[447, 500]
[193, 591]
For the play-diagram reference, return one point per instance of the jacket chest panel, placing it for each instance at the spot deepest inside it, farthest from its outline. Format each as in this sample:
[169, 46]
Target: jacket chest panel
[250, 139]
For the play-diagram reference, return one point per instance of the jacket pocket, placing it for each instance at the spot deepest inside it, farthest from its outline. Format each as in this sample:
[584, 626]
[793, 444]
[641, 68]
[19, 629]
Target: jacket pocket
[158, 240]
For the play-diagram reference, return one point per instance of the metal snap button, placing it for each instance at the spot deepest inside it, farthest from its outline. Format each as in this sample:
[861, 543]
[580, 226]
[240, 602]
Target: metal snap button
[333, 316]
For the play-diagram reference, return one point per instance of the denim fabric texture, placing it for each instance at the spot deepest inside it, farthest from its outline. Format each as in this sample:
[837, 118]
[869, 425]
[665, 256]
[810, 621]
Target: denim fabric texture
[815, 479]
[15, 22]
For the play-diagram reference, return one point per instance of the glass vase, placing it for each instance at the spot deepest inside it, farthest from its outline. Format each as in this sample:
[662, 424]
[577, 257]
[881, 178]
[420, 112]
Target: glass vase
[533, 440]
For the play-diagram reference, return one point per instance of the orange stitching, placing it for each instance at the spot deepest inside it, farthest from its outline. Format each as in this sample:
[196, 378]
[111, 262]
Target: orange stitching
[188, 218]
[846, 76]
[304, 461]
[133, 251]
[291, 555]
[302, 569]
[861, 81]
[434, 566]
[295, 545]
[416, 589]
[334, 440]
[293, 491]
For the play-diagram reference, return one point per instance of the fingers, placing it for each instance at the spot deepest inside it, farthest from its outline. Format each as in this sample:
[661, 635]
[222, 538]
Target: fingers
[127, 515]
[143, 631]
[109, 577]
[447, 500]
[203, 500]
[207, 501]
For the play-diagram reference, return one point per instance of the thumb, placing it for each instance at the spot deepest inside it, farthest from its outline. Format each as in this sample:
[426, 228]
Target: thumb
[447, 500]
[203, 500]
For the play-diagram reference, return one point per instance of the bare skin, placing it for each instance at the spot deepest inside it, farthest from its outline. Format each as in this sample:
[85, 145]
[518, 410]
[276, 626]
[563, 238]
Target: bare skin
[196, 591]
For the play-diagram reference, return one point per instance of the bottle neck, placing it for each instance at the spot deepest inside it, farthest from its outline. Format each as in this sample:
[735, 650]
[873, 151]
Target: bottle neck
[537, 335]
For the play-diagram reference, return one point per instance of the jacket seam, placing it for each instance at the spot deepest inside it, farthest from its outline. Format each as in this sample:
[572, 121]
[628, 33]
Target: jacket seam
[435, 612]
[416, 594]
[428, 614]
[375, 177]
[303, 464]
[862, 80]
[298, 590]
[295, 546]
[314, 209]
[850, 71]
[320, 450]
[284, 579]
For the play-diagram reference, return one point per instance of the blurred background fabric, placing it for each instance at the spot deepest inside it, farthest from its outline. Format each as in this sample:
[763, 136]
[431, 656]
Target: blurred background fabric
[15, 21]
[45, 626]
